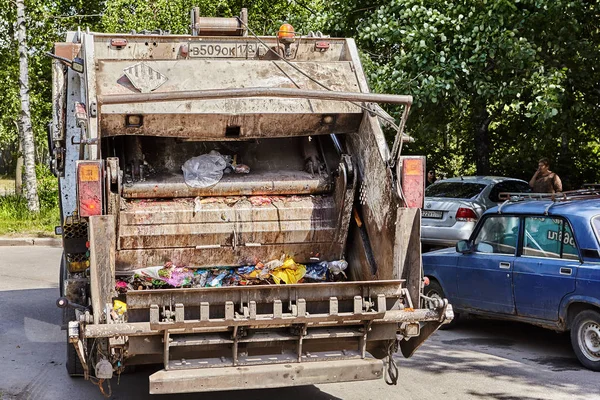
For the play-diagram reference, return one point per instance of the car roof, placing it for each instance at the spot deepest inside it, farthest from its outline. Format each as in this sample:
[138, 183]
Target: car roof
[486, 180]
[588, 208]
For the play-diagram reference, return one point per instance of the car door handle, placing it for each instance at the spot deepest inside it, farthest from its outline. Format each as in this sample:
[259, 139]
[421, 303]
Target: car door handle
[566, 271]
[504, 265]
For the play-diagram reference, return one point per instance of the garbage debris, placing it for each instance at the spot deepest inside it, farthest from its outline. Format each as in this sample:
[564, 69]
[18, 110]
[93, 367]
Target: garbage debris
[289, 272]
[317, 272]
[207, 169]
[279, 272]
[337, 267]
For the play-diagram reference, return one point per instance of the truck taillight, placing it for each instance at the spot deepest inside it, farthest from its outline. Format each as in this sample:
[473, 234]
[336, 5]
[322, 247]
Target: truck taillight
[413, 180]
[466, 214]
[89, 188]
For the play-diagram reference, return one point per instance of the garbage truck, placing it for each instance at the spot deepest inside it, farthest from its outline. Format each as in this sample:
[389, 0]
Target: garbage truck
[231, 211]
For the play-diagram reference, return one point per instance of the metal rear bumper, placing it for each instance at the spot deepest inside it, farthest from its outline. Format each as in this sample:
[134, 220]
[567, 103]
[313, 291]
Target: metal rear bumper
[264, 376]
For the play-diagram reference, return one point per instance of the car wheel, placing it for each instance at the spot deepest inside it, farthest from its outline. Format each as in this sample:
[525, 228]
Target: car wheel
[585, 338]
[435, 291]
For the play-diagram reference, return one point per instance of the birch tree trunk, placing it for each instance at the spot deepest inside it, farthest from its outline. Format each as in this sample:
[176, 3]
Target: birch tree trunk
[26, 131]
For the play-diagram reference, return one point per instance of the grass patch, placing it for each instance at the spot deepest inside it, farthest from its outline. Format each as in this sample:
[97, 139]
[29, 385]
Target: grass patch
[15, 218]
[7, 186]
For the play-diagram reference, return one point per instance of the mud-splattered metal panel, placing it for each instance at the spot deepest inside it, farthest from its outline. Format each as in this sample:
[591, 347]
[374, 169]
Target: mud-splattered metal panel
[181, 47]
[216, 126]
[282, 182]
[230, 74]
[226, 231]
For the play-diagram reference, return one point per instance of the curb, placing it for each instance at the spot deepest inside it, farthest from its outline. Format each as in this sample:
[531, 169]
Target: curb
[30, 241]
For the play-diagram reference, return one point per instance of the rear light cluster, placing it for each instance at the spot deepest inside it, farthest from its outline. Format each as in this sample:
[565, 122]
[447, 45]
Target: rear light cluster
[89, 188]
[466, 214]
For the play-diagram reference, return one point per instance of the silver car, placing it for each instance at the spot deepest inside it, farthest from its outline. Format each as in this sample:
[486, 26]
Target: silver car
[453, 206]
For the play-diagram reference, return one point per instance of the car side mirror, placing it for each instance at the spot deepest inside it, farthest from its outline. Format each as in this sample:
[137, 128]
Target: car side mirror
[463, 246]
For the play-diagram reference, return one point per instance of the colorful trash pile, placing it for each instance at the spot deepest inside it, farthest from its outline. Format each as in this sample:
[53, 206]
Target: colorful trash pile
[284, 271]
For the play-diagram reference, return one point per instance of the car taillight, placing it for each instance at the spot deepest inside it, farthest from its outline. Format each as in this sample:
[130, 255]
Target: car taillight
[89, 188]
[466, 214]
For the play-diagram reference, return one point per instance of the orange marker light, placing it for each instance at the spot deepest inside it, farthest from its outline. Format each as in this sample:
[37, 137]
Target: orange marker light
[286, 34]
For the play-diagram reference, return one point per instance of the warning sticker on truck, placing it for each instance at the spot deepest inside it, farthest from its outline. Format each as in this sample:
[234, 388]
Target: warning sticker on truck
[222, 49]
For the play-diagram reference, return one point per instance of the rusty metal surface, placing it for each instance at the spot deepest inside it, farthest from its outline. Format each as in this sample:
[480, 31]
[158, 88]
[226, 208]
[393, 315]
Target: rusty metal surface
[255, 183]
[248, 92]
[102, 262]
[162, 47]
[127, 260]
[141, 329]
[264, 376]
[213, 126]
[264, 293]
[380, 203]
[184, 211]
[188, 78]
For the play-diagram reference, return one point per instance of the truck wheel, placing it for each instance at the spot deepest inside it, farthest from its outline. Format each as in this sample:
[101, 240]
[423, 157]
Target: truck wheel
[434, 290]
[73, 364]
[585, 339]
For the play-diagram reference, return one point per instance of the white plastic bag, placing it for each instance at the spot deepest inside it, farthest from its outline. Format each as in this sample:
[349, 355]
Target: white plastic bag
[205, 170]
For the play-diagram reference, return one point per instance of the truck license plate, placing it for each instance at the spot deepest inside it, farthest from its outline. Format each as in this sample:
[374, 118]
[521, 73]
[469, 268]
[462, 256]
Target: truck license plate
[432, 214]
[222, 49]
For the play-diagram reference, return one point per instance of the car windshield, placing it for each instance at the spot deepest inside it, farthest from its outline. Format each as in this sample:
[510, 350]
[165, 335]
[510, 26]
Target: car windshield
[454, 190]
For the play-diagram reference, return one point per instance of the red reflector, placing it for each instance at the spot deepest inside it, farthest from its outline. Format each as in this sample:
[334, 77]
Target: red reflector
[322, 46]
[118, 42]
[89, 188]
[426, 281]
[466, 214]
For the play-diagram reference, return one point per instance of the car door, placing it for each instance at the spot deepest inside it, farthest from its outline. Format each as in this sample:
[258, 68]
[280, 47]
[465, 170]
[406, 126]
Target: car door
[485, 275]
[547, 268]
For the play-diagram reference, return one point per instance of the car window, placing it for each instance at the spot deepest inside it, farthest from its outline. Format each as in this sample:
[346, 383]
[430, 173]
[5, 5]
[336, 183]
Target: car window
[596, 225]
[549, 237]
[498, 235]
[454, 190]
[509, 187]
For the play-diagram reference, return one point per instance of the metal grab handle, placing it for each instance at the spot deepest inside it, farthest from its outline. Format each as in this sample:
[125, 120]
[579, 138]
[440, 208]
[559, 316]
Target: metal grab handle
[566, 271]
[504, 265]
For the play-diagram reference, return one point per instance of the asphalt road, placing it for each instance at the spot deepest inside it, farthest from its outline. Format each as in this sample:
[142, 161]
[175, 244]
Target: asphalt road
[477, 360]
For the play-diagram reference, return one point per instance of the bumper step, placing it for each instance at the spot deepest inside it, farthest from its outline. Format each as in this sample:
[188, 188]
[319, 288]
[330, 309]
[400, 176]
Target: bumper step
[264, 376]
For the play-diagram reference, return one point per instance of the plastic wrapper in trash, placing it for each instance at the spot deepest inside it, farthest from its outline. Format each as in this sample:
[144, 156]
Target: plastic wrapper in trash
[337, 267]
[241, 169]
[200, 277]
[289, 272]
[317, 271]
[217, 280]
[119, 307]
[179, 277]
[205, 170]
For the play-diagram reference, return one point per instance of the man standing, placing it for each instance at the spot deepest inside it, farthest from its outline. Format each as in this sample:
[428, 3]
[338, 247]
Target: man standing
[544, 180]
[430, 177]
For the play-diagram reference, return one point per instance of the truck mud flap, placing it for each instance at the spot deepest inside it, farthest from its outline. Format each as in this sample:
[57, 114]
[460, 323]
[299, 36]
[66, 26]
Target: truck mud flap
[264, 376]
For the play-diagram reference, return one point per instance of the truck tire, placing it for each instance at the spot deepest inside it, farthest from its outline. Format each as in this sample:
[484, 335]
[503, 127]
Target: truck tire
[434, 290]
[585, 339]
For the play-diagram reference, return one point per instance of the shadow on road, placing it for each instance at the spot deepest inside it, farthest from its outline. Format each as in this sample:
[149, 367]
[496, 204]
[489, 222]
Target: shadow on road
[520, 354]
[32, 357]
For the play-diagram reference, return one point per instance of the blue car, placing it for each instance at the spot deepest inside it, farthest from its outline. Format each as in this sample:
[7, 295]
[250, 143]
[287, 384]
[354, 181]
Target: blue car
[534, 261]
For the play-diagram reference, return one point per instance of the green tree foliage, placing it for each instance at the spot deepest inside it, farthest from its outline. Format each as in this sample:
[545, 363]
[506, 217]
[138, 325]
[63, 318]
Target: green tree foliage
[264, 16]
[497, 84]
[47, 22]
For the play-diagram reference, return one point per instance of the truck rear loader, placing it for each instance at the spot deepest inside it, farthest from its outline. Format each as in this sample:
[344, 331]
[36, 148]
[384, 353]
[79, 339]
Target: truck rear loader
[318, 184]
